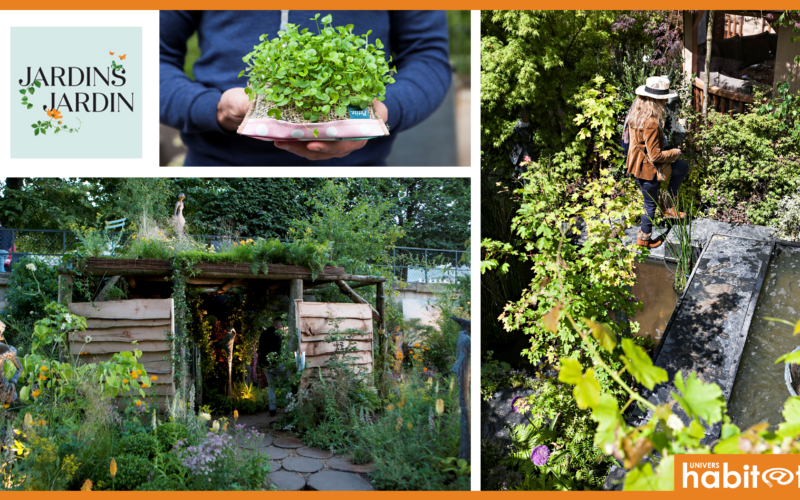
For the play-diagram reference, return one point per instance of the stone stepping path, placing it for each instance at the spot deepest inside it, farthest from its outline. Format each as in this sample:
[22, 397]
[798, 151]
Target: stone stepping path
[296, 466]
[329, 480]
[254, 444]
[302, 464]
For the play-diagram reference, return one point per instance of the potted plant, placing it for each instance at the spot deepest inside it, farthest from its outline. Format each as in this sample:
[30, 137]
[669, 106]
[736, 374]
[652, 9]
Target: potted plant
[306, 86]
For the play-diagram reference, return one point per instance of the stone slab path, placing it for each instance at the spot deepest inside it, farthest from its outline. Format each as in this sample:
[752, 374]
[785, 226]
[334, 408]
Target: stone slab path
[296, 466]
[709, 327]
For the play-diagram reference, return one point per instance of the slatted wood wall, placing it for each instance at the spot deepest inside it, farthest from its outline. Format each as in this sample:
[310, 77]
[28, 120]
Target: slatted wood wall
[314, 323]
[113, 325]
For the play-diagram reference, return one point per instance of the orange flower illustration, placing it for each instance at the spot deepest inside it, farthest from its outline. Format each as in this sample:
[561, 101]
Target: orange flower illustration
[110, 53]
[122, 57]
[54, 114]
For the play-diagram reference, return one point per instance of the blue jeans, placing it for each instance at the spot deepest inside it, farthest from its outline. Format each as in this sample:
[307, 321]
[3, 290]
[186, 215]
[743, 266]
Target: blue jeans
[650, 190]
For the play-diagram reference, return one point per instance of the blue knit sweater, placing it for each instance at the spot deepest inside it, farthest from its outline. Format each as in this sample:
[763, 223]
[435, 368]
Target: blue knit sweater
[418, 41]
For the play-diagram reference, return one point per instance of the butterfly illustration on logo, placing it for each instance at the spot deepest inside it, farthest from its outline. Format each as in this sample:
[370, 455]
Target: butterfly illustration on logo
[110, 53]
[114, 64]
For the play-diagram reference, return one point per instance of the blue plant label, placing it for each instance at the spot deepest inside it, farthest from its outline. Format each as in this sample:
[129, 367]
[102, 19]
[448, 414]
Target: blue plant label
[357, 113]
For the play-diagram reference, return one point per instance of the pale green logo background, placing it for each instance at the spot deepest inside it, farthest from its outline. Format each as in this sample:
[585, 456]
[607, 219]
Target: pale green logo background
[102, 135]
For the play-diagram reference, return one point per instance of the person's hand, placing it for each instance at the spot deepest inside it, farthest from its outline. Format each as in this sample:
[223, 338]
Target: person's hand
[325, 150]
[232, 107]
[679, 151]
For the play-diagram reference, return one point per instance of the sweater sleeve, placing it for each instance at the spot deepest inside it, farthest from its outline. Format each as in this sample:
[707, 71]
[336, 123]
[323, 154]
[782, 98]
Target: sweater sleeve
[653, 144]
[420, 42]
[186, 105]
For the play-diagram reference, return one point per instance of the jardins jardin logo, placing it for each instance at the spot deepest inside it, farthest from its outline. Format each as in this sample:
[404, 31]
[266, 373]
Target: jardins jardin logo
[79, 98]
[57, 78]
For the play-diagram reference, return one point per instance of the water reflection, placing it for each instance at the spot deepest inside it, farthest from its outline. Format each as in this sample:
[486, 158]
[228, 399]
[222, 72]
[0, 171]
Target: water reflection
[759, 391]
[654, 288]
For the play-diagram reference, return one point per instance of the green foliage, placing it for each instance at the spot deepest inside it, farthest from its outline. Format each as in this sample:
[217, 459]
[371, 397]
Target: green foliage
[554, 420]
[409, 441]
[27, 294]
[169, 433]
[132, 472]
[522, 54]
[141, 445]
[318, 73]
[746, 164]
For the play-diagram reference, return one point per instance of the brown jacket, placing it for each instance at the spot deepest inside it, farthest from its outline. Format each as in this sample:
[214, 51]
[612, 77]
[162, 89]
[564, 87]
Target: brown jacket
[650, 141]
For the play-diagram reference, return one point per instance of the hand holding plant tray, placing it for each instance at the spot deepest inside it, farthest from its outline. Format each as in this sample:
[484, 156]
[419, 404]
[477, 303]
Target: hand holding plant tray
[306, 86]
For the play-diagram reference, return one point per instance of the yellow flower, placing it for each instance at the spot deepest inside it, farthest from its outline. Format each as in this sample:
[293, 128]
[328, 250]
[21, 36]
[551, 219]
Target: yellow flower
[416, 345]
[44, 368]
[113, 468]
[35, 393]
[145, 385]
[42, 423]
[439, 406]
[215, 426]
[138, 403]
[27, 422]
[235, 414]
[87, 485]
[124, 381]
[399, 424]
[402, 402]
[134, 375]
[153, 378]
[225, 427]
[159, 233]
[390, 408]
[409, 426]
[42, 377]
[172, 248]
[6, 405]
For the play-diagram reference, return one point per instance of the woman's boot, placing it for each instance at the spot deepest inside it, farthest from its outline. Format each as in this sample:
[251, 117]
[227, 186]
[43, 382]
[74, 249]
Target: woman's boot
[643, 240]
[668, 209]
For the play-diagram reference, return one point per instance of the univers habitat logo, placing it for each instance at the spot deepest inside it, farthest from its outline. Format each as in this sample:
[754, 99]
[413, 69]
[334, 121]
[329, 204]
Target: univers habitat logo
[78, 98]
[771, 472]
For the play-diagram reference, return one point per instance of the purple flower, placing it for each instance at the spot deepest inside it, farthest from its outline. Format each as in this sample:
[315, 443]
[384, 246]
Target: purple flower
[514, 404]
[540, 455]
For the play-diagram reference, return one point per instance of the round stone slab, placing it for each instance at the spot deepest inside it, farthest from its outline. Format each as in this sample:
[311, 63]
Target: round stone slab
[290, 442]
[276, 453]
[329, 480]
[254, 444]
[344, 465]
[314, 453]
[274, 465]
[287, 481]
[301, 464]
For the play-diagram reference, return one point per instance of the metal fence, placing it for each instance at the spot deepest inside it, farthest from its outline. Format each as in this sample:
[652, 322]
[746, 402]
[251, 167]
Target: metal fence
[413, 265]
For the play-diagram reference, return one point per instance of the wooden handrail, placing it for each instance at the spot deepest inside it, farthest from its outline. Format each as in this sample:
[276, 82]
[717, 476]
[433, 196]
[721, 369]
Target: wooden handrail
[736, 96]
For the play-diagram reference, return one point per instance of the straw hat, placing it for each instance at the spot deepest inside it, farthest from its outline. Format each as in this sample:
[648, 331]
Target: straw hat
[656, 87]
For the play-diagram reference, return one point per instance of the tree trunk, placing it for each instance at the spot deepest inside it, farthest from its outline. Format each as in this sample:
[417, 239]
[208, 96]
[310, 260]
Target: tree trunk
[706, 83]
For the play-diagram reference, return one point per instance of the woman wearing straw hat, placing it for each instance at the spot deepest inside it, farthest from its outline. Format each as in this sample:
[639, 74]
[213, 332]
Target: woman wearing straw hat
[647, 160]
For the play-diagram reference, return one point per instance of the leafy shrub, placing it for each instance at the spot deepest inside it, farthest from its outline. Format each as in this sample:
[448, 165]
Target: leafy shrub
[161, 483]
[746, 165]
[132, 471]
[141, 445]
[408, 438]
[555, 421]
[789, 221]
[27, 294]
[318, 73]
[169, 433]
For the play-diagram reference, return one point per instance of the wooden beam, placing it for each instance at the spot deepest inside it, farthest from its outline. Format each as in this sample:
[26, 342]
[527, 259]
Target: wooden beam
[124, 309]
[345, 288]
[65, 289]
[380, 303]
[101, 297]
[293, 319]
[736, 96]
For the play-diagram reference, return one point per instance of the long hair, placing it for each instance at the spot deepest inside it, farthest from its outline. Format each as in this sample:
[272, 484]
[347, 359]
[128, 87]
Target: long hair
[643, 108]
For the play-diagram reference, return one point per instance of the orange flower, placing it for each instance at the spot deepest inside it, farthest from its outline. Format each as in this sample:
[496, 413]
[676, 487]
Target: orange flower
[112, 469]
[235, 414]
[54, 114]
[138, 403]
[145, 385]
[134, 375]
[87, 485]
[42, 423]
[424, 369]
[153, 378]
[35, 393]
[124, 381]
[44, 368]
[60, 124]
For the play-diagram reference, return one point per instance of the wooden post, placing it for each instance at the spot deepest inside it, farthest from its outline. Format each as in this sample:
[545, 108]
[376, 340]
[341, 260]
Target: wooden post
[380, 303]
[461, 369]
[65, 289]
[709, 42]
[293, 322]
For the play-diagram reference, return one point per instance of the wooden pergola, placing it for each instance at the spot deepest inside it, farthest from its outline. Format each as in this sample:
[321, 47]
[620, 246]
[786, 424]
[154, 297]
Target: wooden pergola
[150, 279]
[151, 275]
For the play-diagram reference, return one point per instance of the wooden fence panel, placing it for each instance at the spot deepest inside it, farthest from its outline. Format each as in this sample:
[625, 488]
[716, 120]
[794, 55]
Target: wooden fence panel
[114, 325]
[315, 320]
